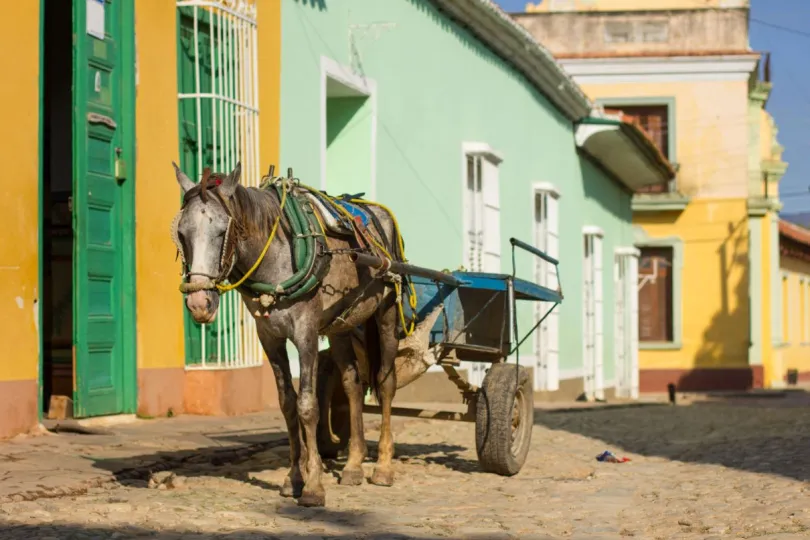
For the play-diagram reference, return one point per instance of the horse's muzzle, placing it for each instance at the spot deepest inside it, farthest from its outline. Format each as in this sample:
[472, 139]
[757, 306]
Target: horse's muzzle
[203, 305]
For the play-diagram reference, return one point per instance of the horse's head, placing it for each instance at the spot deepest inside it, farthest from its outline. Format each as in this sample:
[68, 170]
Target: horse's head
[205, 237]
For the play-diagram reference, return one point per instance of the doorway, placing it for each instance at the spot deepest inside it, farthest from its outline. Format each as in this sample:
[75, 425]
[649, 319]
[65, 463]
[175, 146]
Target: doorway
[88, 311]
[626, 320]
[593, 316]
[57, 171]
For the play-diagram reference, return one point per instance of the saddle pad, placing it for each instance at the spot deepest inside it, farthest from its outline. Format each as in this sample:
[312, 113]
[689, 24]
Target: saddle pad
[355, 211]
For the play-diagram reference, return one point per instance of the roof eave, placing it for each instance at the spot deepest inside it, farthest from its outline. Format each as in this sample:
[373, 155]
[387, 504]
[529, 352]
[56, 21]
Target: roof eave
[624, 151]
[512, 42]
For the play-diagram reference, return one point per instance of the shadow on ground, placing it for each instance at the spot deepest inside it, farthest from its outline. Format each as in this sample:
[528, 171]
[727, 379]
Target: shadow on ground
[760, 434]
[245, 453]
[78, 532]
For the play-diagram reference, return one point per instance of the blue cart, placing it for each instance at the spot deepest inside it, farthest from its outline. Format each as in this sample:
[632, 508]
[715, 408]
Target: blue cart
[474, 320]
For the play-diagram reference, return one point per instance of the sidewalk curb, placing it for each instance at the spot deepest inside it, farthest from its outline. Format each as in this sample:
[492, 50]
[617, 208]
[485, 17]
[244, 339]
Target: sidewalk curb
[214, 455]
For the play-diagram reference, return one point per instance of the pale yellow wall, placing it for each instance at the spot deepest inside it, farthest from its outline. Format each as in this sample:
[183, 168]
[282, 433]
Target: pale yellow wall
[795, 350]
[770, 359]
[157, 198]
[630, 5]
[765, 135]
[714, 284]
[19, 247]
[711, 121]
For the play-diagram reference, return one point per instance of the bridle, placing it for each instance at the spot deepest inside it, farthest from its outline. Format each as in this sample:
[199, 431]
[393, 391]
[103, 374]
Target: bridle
[227, 259]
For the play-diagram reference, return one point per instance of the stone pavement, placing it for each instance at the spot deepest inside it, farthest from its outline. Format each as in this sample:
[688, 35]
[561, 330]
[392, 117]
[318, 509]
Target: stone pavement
[725, 468]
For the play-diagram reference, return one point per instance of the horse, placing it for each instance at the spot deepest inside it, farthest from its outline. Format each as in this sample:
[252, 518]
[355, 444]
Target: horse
[226, 232]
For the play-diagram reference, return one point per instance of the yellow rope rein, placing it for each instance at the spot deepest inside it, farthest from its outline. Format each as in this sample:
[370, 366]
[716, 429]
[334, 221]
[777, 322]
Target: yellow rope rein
[412, 300]
[232, 286]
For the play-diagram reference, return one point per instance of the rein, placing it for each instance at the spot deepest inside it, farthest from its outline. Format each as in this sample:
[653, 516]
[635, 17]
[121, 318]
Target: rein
[311, 256]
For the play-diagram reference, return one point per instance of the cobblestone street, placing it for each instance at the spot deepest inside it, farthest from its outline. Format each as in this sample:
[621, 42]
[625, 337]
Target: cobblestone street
[705, 470]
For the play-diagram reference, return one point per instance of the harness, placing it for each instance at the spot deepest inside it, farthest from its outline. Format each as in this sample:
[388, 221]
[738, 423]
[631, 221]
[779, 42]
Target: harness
[311, 256]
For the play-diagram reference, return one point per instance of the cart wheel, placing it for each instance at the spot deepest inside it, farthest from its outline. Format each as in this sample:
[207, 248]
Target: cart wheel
[504, 419]
[333, 425]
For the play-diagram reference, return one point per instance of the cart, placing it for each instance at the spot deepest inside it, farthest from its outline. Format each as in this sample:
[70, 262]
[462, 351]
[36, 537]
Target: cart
[463, 316]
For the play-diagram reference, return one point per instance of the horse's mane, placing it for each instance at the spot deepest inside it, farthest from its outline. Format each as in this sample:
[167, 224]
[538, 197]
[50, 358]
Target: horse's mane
[254, 209]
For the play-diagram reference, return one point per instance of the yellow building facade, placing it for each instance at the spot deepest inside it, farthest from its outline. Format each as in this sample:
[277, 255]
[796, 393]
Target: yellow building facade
[709, 241]
[91, 309]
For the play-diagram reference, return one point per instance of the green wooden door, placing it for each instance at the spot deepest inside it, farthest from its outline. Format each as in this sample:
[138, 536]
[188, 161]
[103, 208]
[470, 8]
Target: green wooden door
[103, 210]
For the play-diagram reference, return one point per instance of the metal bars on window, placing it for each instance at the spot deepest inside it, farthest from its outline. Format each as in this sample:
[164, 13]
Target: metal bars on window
[219, 127]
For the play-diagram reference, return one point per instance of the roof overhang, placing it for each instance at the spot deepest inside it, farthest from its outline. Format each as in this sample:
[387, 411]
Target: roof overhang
[625, 151]
[515, 45]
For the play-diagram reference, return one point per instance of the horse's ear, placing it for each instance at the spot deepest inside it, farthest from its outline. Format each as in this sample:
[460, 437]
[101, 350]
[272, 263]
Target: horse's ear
[184, 181]
[228, 186]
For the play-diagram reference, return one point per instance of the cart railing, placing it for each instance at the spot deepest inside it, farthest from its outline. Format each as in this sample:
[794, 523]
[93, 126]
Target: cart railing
[551, 260]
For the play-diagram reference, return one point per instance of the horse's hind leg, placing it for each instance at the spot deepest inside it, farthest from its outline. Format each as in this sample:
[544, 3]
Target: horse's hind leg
[277, 354]
[343, 355]
[307, 344]
[387, 383]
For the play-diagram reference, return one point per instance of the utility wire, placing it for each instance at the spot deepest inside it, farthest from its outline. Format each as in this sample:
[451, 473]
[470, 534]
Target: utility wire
[782, 28]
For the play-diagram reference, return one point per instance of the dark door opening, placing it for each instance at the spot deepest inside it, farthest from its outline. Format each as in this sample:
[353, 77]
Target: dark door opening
[57, 294]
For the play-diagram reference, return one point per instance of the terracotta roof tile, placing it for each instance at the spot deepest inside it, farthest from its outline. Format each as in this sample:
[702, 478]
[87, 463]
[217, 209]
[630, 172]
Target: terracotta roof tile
[794, 232]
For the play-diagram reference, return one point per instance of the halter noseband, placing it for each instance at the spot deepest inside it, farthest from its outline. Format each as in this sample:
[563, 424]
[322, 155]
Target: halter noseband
[227, 258]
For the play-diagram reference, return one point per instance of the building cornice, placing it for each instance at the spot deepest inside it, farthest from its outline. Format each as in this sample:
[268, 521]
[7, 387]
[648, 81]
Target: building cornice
[731, 67]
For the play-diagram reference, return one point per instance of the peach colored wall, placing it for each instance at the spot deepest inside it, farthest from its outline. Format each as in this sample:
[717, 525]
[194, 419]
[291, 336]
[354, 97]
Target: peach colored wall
[711, 120]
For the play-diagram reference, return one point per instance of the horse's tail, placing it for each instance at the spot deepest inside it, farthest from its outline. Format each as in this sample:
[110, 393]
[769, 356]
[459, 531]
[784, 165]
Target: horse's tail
[374, 356]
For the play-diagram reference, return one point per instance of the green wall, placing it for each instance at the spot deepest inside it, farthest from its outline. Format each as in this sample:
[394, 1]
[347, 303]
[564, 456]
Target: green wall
[437, 87]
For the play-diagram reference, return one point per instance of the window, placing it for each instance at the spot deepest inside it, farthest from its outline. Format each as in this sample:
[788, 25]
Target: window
[218, 126]
[546, 238]
[482, 214]
[652, 120]
[654, 32]
[618, 32]
[655, 295]
[637, 31]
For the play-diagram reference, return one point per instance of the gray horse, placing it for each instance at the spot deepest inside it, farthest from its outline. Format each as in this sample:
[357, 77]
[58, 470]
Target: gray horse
[221, 231]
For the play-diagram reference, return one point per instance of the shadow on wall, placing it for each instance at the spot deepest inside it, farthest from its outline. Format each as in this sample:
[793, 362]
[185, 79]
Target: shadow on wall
[599, 186]
[726, 341]
[317, 4]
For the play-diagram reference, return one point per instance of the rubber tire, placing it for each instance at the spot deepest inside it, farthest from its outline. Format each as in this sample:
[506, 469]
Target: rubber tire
[334, 423]
[493, 419]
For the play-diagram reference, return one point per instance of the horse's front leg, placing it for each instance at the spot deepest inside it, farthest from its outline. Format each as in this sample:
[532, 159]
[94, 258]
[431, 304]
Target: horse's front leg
[308, 414]
[343, 355]
[387, 383]
[276, 351]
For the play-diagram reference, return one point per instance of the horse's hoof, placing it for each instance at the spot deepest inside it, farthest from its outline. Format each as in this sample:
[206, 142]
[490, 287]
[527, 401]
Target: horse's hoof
[352, 477]
[312, 498]
[289, 490]
[383, 477]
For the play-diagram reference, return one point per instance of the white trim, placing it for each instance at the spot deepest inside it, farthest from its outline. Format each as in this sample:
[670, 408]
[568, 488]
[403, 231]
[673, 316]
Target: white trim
[546, 187]
[482, 149]
[593, 230]
[546, 237]
[661, 68]
[331, 69]
[628, 250]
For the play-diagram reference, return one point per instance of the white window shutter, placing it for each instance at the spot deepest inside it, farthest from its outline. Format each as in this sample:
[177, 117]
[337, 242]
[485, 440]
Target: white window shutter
[492, 217]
